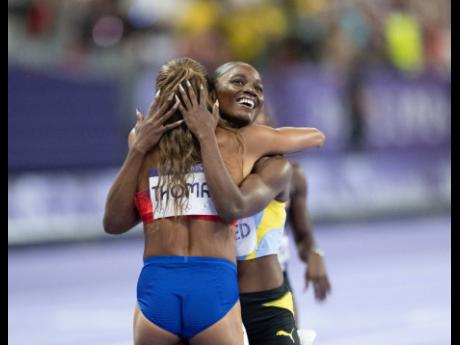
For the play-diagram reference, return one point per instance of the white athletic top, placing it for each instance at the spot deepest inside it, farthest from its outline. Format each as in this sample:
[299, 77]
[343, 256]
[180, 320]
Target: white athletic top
[261, 234]
[199, 200]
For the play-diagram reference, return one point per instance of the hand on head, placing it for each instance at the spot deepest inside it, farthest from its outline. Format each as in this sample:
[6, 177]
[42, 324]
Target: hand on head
[193, 107]
[149, 129]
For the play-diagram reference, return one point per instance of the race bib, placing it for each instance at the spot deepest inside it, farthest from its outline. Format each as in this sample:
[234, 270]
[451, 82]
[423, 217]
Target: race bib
[246, 236]
[198, 198]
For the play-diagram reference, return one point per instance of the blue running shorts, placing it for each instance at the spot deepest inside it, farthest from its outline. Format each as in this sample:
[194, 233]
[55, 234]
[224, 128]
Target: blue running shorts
[186, 294]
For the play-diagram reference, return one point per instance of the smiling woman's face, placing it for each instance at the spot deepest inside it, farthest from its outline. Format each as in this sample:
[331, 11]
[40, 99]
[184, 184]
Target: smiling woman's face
[240, 93]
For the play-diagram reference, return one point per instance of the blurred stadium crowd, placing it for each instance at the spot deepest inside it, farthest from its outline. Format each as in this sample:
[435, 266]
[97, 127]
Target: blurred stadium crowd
[374, 75]
[111, 37]
[90, 35]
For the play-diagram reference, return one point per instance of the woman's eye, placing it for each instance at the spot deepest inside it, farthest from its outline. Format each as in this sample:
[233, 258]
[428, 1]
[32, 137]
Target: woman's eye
[237, 82]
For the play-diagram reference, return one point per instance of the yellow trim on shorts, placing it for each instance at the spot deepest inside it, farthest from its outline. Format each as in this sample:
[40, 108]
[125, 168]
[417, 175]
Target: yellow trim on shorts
[285, 302]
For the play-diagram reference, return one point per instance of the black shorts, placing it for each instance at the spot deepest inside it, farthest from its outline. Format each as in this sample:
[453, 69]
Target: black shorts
[268, 317]
[286, 280]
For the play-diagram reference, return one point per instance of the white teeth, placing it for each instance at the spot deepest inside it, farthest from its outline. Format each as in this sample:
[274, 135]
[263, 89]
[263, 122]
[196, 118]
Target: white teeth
[247, 101]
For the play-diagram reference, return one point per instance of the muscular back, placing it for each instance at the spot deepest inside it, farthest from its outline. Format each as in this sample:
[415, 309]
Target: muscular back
[187, 236]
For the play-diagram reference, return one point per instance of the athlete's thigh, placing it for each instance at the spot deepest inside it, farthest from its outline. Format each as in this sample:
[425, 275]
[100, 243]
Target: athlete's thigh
[226, 331]
[147, 333]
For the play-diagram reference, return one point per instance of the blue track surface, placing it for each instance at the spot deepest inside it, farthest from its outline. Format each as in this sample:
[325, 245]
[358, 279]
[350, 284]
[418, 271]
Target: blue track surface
[391, 284]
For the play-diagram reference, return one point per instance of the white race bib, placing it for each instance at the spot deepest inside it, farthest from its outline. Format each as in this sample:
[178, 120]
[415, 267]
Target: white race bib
[246, 236]
[199, 200]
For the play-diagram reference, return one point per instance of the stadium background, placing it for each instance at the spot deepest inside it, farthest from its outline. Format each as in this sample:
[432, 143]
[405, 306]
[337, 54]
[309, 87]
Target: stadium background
[373, 75]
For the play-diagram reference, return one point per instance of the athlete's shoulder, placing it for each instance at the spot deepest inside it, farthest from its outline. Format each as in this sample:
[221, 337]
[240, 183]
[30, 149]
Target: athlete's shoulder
[257, 135]
[277, 163]
[255, 128]
[297, 167]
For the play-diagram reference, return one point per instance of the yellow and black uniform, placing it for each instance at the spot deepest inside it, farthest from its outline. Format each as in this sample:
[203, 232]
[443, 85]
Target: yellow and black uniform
[268, 316]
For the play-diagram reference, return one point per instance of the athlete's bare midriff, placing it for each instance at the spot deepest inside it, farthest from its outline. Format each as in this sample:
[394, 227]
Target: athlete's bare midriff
[259, 274]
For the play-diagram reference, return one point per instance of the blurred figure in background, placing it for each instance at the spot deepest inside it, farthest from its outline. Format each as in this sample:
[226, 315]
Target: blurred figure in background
[403, 34]
[201, 34]
[299, 222]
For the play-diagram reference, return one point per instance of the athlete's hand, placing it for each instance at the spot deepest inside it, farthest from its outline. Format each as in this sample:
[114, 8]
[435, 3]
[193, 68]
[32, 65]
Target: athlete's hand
[149, 130]
[199, 120]
[317, 275]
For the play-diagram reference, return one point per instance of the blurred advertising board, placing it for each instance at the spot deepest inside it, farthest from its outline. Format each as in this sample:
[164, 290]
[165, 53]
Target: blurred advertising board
[407, 112]
[378, 184]
[58, 122]
[397, 111]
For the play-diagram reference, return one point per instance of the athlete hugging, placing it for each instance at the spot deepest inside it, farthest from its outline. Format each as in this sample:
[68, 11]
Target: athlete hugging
[196, 165]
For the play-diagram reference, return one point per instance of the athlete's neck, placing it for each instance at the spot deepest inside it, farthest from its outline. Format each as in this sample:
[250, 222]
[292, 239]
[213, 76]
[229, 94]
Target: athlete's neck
[232, 123]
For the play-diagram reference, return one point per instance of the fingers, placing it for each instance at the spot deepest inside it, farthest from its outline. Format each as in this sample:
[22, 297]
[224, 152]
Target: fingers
[139, 119]
[173, 125]
[203, 94]
[215, 109]
[154, 105]
[139, 116]
[322, 288]
[162, 111]
[185, 99]
[166, 116]
[318, 292]
[181, 107]
[191, 93]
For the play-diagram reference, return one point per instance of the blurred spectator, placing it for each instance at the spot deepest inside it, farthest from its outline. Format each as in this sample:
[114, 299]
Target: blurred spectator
[209, 46]
[249, 38]
[404, 37]
[415, 33]
[339, 50]
[435, 19]
[40, 18]
[128, 39]
[355, 24]
[201, 34]
[354, 104]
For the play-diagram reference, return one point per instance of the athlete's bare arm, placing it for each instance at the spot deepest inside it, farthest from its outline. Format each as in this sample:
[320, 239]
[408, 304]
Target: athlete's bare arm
[299, 218]
[120, 213]
[298, 213]
[269, 179]
[263, 140]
